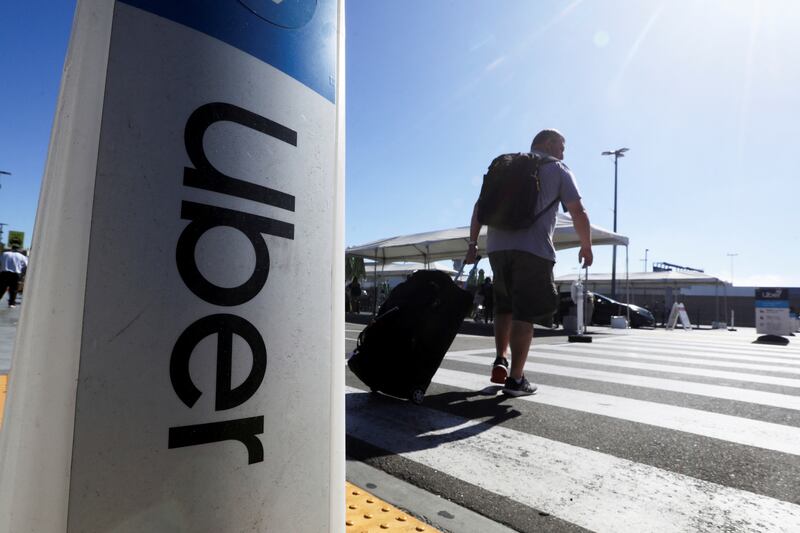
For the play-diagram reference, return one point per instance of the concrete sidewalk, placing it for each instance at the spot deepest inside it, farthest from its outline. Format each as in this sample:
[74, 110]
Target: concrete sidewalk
[9, 318]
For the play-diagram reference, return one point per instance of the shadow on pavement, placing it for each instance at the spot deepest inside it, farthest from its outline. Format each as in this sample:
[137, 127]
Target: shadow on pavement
[434, 423]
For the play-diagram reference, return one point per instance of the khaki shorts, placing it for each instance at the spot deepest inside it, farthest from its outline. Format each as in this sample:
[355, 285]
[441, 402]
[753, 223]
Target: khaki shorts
[523, 286]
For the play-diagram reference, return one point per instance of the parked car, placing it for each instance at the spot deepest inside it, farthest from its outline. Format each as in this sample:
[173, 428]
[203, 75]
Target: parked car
[605, 308]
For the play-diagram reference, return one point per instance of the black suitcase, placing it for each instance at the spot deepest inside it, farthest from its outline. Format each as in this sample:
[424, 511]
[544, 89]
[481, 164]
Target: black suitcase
[400, 350]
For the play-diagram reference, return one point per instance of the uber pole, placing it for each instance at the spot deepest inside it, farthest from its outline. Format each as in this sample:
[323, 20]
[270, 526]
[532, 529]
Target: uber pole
[179, 360]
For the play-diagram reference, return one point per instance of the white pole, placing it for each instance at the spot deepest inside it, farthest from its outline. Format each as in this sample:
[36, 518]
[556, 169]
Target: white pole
[189, 240]
[580, 302]
[627, 287]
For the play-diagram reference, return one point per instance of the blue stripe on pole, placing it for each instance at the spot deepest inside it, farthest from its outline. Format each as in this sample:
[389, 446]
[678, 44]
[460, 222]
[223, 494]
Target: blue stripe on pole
[778, 304]
[298, 37]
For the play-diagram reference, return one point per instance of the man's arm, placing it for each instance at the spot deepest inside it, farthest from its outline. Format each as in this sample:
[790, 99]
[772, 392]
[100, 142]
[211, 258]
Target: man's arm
[580, 221]
[474, 231]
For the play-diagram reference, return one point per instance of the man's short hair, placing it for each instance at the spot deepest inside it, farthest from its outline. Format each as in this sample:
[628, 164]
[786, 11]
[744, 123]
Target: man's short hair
[545, 136]
[15, 246]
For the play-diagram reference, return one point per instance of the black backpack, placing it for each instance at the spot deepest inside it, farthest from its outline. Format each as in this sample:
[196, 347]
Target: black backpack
[510, 190]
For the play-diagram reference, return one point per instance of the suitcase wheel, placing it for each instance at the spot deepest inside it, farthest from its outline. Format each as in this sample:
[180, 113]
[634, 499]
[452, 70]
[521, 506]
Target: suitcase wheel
[417, 395]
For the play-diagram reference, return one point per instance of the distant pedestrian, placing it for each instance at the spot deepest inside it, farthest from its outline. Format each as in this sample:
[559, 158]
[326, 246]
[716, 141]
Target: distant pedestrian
[354, 290]
[522, 261]
[472, 281]
[487, 291]
[13, 265]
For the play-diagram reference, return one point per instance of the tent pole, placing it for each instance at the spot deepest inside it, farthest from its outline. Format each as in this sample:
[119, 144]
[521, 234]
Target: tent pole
[375, 283]
[627, 285]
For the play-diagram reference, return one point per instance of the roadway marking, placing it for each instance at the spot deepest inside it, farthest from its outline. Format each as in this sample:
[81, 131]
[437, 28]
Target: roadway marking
[546, 354]
[684, 356]
[594, 490]
[691, 371]
[783, 401]
[785, 352]
[766, 435]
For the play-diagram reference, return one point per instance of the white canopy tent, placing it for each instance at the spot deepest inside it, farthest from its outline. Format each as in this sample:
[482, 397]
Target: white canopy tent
[452, 243]
[394, 272]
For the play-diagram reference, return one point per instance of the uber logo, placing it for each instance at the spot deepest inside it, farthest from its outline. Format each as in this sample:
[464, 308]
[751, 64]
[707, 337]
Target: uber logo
[202, 218]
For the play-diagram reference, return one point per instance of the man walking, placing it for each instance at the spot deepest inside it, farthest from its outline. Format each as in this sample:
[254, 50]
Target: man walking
[12, 267]
[522, 262]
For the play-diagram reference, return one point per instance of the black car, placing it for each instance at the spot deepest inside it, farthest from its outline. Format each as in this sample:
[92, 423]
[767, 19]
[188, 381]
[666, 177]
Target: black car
[605, 308]
[602, 308]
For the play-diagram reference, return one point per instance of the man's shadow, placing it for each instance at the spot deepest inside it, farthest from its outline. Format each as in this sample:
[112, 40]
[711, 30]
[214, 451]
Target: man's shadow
[443, 418]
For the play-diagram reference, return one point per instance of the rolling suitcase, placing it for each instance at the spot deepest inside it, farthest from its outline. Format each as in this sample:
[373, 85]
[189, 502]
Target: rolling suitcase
[400, 350]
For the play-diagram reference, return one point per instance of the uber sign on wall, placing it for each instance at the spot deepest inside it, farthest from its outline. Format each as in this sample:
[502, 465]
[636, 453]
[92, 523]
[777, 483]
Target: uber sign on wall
[204, 384]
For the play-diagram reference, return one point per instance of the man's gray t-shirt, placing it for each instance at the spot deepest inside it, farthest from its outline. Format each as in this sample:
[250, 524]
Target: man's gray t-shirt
[557, 181]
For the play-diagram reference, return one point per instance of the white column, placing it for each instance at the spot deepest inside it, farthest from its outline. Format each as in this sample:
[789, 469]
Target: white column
[178, 365]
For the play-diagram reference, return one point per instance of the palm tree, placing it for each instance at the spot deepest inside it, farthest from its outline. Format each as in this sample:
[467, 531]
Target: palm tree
[354, 267]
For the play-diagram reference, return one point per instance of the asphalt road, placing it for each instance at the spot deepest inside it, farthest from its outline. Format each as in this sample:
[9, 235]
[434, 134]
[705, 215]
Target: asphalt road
[647, 430]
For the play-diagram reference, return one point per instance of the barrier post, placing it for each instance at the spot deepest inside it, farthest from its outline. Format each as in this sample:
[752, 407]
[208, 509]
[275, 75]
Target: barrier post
[179, 360]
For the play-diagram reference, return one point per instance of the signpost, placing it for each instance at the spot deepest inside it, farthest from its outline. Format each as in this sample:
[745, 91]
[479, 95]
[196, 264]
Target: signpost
[194, 382]
[773, 320]
[678, 311]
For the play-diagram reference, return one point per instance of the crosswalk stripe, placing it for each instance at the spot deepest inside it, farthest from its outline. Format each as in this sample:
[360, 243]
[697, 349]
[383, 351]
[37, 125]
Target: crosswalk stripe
[652, 356]
[716, 357]
[687, 387]
[785, 352]
[690, 371]
[591, 489]
[735, 429]
[547, 353]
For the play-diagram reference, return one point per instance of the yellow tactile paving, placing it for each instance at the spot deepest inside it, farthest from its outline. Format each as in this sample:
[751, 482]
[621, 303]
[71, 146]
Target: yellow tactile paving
[368, 514]
[3, 389]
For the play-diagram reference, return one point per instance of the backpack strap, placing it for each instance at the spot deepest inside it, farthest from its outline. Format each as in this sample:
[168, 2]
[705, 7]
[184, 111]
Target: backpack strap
[544, 161]
[545, 210]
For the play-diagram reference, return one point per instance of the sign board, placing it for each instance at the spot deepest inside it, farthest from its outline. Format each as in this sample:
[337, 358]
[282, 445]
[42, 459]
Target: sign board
[678, 311]
[194, 382]
[772, 311]
[16, 237]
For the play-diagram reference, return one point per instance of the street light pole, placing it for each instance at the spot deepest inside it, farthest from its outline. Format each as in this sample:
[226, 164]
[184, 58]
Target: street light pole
[732, 255]
[620, 152]
[2, 225]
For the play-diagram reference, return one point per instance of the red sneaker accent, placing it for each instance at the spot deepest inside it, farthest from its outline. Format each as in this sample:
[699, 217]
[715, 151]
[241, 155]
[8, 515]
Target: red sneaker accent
[499, 374]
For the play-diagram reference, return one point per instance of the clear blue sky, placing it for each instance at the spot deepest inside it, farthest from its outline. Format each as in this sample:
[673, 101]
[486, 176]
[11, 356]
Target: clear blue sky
[703, 92]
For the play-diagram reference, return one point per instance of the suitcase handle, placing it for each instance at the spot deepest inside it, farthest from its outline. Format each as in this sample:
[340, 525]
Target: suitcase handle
[461, 270]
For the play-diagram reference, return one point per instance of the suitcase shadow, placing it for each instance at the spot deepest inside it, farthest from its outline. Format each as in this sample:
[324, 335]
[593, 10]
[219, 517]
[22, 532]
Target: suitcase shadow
[444, 418]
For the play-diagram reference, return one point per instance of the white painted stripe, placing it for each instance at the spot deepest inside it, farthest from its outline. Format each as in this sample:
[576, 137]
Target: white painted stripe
[540, 355]
[687, 387]
[783, 351]
[784, 365]
[350, 339]
[700, 338]
[735, 429]
[787, 355]
[575, 352]
[594, 490]
[656, 355]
